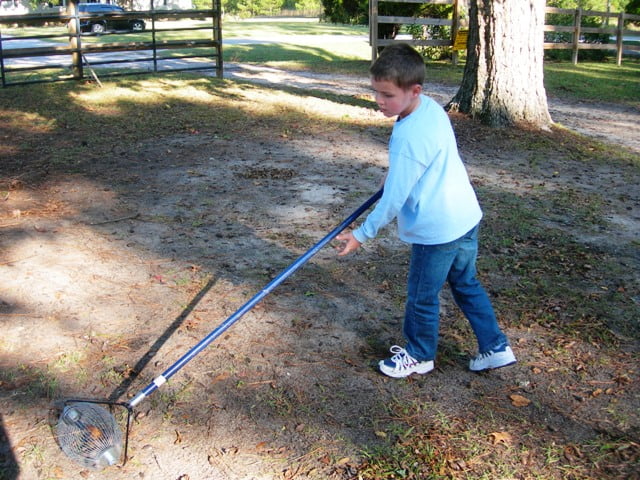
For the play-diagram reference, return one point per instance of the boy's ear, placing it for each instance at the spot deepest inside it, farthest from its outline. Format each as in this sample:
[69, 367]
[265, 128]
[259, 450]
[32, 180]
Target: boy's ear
[416, 90]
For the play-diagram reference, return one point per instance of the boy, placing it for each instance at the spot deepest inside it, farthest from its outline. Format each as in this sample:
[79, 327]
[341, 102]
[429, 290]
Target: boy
[428, 190]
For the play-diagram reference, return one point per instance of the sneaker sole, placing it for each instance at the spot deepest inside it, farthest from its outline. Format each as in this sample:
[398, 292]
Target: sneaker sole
[495, 367]
[393, 374]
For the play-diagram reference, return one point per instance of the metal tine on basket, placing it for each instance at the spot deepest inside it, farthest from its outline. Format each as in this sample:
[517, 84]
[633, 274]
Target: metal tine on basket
[90, 435]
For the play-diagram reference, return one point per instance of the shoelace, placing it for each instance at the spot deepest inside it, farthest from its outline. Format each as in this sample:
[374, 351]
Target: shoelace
[484, 355]
[401, 358]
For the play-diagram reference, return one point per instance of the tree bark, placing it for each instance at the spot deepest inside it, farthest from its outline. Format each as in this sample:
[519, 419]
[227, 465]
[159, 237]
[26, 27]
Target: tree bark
[503, 82]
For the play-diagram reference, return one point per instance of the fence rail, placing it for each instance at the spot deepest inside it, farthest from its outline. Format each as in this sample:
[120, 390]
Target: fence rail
[47, 62]
[375, 19]
[42, 60]
[579, 34]
[575, 31]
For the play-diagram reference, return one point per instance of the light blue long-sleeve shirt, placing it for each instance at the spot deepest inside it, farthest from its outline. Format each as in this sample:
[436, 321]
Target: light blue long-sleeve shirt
[427, 187]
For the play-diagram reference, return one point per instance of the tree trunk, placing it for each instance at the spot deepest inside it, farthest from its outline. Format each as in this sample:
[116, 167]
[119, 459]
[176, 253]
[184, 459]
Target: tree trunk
[503, 77]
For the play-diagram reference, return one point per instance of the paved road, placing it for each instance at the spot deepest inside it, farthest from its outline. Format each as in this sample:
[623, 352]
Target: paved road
[10, 43]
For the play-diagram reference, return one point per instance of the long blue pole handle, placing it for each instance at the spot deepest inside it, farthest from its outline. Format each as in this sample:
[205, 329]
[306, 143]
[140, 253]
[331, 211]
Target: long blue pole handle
[281, 277]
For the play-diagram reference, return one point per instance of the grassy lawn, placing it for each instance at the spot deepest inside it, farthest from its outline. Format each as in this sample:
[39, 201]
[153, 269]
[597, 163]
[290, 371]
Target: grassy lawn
[605, 82]
[330, 48]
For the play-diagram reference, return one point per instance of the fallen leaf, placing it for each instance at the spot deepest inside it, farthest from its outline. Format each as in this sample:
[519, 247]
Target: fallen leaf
[572, 453]
[220, 377]
[58, 472]
[458, 464]
[94, 431]
[229, 450]
[233, 450]
[501, 437]
[622, 379]
[261, 446]
[519, 400]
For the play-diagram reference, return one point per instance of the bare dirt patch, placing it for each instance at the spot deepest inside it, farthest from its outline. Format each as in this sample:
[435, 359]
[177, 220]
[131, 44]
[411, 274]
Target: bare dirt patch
[109, 275]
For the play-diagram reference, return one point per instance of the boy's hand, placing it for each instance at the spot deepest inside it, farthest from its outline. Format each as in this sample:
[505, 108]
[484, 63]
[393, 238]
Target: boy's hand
[348, 243]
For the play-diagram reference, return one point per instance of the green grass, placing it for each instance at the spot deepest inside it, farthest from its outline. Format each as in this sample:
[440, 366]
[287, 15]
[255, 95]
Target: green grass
[344, 49]
[264, 29]
[554, 279]
[325, 48]
[605, 82]
[31, 381]
[590, 81]
[426, 444]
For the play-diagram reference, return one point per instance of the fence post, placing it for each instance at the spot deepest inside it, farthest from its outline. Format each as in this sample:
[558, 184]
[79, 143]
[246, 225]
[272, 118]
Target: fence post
[454, 30]
[577, 22]
[74, 40]
[217, 35]
[4, 82]
[373, 29]
[619, 39]
[154, 45]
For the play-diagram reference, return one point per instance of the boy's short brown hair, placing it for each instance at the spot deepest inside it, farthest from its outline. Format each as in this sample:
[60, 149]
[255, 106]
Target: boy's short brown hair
[401, 64]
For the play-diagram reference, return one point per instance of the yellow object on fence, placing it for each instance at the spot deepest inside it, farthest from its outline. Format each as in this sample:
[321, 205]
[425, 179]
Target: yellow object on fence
[460, 42]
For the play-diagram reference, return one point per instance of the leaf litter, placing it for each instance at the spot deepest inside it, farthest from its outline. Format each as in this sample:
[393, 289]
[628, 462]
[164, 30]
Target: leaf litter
[101, 261]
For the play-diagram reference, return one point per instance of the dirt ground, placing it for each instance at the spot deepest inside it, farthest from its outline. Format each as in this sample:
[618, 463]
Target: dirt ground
[106, 280]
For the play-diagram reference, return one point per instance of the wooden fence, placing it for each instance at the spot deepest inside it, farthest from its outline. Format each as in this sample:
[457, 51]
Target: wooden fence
[46, 59]
[579, 35]
[457, 38]
[31, 64]
[375, 20]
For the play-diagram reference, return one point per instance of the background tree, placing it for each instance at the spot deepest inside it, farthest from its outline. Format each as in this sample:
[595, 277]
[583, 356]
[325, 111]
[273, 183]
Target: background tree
[503, 77]
[435, 32]
[633, 7]
[355, 12]
[251, 8]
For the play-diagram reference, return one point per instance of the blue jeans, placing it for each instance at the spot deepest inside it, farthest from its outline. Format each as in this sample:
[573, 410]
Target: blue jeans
[431, 266]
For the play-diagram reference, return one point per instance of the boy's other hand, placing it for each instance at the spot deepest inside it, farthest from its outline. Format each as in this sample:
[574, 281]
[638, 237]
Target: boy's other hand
[348, 243]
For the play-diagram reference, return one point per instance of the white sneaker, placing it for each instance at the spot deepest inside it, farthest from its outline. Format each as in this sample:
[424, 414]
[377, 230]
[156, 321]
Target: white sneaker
[401, 364]
[493, 359]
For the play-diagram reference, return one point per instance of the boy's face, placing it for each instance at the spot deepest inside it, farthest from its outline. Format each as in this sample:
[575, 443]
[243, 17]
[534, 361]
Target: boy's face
[394, 100]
